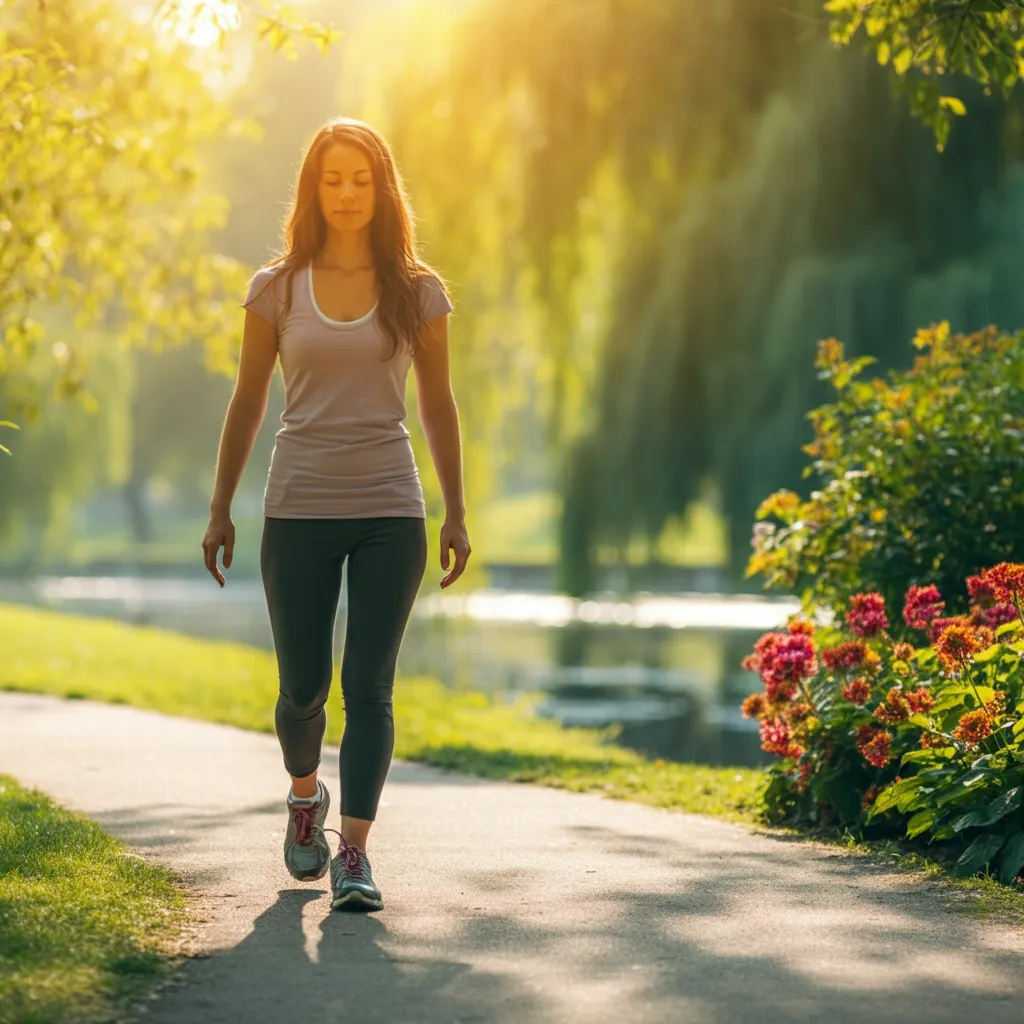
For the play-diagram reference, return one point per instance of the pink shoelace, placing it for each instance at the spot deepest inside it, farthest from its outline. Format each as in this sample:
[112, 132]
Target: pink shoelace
[305, 819]
[351, 856]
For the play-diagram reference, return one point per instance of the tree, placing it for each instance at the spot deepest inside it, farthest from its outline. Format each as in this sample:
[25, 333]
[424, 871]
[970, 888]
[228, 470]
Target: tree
[926, 42]
[102, 208]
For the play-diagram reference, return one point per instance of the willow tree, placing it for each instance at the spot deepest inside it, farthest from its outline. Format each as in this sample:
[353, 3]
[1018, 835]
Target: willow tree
[717, 187]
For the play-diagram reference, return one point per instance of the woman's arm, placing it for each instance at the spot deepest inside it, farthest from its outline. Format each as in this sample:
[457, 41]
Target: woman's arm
[245, 414]
[439, 417]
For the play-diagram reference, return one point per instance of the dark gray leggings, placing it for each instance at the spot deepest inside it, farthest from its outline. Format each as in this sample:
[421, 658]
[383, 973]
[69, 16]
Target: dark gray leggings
[301, 561]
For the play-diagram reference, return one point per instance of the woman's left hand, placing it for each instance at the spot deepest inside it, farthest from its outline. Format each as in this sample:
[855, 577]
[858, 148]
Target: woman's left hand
[454, 538]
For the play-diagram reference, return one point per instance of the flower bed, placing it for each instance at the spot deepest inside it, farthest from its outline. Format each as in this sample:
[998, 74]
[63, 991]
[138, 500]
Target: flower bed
[924, 739]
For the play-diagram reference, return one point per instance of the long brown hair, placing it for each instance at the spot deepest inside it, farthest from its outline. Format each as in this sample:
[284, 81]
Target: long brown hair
[392, 236]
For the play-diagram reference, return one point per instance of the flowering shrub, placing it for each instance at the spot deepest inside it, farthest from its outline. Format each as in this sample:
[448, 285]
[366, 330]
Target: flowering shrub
[918, 478]
[927, 738]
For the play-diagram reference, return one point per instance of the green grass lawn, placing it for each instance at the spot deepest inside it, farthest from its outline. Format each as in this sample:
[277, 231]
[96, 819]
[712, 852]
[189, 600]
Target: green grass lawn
[84, 924]
[48, 652]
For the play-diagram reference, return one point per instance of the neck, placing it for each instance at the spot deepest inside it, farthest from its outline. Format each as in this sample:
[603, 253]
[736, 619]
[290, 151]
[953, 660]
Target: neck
[346, 249]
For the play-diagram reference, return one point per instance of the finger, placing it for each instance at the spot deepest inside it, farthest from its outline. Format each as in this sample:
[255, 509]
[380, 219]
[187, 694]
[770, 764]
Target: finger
[457, 569]
[229, 551]
[445, 546]
[210, 557]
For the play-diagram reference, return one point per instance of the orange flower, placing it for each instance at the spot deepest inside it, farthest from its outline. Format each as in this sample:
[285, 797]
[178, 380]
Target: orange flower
[801, 626]
[903, 652]
[920, 701]
[973, 728]
[754, 706]
[997, 705]
[1006, 580]
[857, 690]
[932, 739]
[894, 708]
[955, 646]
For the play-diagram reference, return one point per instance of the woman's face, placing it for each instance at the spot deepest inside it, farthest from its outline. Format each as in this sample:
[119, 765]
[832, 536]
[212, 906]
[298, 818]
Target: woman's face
[346, 189]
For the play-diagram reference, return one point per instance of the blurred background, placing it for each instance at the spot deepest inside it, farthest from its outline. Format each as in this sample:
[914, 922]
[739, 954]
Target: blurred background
[648, 214]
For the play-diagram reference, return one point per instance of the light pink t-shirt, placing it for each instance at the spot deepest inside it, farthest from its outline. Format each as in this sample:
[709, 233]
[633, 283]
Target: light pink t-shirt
[343, 450]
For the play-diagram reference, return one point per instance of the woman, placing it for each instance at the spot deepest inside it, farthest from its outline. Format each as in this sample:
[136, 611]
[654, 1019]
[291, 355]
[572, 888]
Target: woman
[348, 309]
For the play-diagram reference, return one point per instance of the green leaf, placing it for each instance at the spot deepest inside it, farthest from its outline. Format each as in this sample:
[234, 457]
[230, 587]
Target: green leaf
[1003, 805]
[973, 819]
[929, 756]
[978, 854]
[953, 104]
[920, 822]
[1012, 859]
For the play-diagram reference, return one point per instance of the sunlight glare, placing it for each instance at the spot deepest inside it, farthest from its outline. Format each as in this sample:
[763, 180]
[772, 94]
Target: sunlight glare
[201, 23]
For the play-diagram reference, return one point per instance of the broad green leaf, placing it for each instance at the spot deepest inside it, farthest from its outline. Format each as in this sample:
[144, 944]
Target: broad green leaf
[1003, 805]
[978, 854]
[1012, 858]
[920, 822]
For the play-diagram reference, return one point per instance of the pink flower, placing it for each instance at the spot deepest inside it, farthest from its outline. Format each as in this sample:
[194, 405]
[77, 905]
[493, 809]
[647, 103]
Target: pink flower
[866, 616]
[783, 660]
[922, 604]
[776, 738]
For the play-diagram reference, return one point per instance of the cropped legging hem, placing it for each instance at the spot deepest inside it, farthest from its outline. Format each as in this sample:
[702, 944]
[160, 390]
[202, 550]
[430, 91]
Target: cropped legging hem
[301, 562]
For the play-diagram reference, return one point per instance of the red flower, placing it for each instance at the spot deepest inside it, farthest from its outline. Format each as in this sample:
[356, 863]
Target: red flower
[937, 626]
[754, 706]
[973, 728]
[857, 690]
[922, 604]
[1006, 580]
[776, 738]
[866, 616]
[874, 745]
[846, 655]
[993, 617]
[932, 739]
[894, 708]
[982, 592]
[783, 660]
[920, 701]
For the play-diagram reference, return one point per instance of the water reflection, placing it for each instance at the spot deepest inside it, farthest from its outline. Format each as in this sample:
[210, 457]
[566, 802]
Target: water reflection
[664, 668]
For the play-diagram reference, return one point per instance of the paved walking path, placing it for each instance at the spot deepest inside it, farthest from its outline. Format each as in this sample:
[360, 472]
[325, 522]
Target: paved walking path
[504, 902]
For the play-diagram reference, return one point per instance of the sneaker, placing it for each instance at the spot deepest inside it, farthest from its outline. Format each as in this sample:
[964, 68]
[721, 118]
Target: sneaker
[351, 882]
[307, 854]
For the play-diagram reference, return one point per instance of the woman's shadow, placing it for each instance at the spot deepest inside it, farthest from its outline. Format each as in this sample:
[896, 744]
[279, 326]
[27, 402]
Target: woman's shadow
[345, 968]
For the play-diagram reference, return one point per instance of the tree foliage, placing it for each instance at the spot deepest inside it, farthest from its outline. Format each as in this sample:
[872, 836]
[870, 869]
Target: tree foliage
[928, 42]
[102, 207]
[676, 202]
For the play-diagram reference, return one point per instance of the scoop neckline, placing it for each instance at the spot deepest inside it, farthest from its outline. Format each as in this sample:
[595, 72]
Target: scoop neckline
[343, 324]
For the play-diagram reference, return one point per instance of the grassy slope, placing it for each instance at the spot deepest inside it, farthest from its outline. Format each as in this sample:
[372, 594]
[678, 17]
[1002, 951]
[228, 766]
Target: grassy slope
[47, 652]
[83, 924]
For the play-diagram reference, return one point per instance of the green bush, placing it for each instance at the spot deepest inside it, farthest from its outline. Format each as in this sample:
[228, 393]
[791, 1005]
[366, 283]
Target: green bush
[924, 740]
[920, 475]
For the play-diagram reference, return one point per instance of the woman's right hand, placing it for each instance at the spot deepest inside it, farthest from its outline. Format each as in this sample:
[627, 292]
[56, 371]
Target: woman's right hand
[219, 534]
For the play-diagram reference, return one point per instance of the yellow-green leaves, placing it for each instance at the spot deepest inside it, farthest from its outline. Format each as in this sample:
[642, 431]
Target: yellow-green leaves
[937, 38]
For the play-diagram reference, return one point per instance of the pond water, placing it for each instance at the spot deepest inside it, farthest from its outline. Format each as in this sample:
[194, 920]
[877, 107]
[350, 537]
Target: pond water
[664, 669]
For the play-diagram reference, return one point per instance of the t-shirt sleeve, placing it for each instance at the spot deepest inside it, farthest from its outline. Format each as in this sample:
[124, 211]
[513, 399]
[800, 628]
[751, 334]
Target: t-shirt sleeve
[262, 296]
[433, 299]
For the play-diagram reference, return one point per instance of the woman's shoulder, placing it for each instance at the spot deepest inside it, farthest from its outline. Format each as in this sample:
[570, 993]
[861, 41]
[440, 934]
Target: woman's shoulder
[263, 277]
[433, 293]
